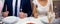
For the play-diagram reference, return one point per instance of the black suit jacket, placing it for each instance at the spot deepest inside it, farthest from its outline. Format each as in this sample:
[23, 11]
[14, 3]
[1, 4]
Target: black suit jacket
[26, 6]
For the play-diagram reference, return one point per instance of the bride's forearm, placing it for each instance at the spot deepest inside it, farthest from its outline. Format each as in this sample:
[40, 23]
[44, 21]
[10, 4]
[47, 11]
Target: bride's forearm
[34, 9]
[35, 13]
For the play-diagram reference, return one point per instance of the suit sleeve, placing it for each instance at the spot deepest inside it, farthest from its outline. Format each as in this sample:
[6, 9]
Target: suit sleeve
[4, 6]
[28, 8]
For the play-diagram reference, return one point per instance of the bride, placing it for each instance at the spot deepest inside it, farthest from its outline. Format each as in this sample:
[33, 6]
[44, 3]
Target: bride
[43, 10]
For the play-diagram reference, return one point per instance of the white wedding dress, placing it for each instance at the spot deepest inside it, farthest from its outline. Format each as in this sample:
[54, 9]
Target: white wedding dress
[42, 10]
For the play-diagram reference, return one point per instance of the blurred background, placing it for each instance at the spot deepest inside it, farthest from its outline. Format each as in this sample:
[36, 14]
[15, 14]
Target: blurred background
[56, 5]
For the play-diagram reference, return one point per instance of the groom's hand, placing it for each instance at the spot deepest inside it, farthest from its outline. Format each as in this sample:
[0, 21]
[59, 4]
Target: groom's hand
[22, 14]
[5, 14]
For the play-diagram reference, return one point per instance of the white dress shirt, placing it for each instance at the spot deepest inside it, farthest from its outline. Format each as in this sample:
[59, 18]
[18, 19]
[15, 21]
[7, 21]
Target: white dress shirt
[18, 6]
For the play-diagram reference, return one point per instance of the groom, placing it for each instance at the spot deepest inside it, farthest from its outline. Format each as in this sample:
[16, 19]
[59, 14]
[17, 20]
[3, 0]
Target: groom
[13, 7]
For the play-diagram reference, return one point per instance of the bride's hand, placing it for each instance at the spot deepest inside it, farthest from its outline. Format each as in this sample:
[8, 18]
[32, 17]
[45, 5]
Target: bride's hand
[35, 15]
